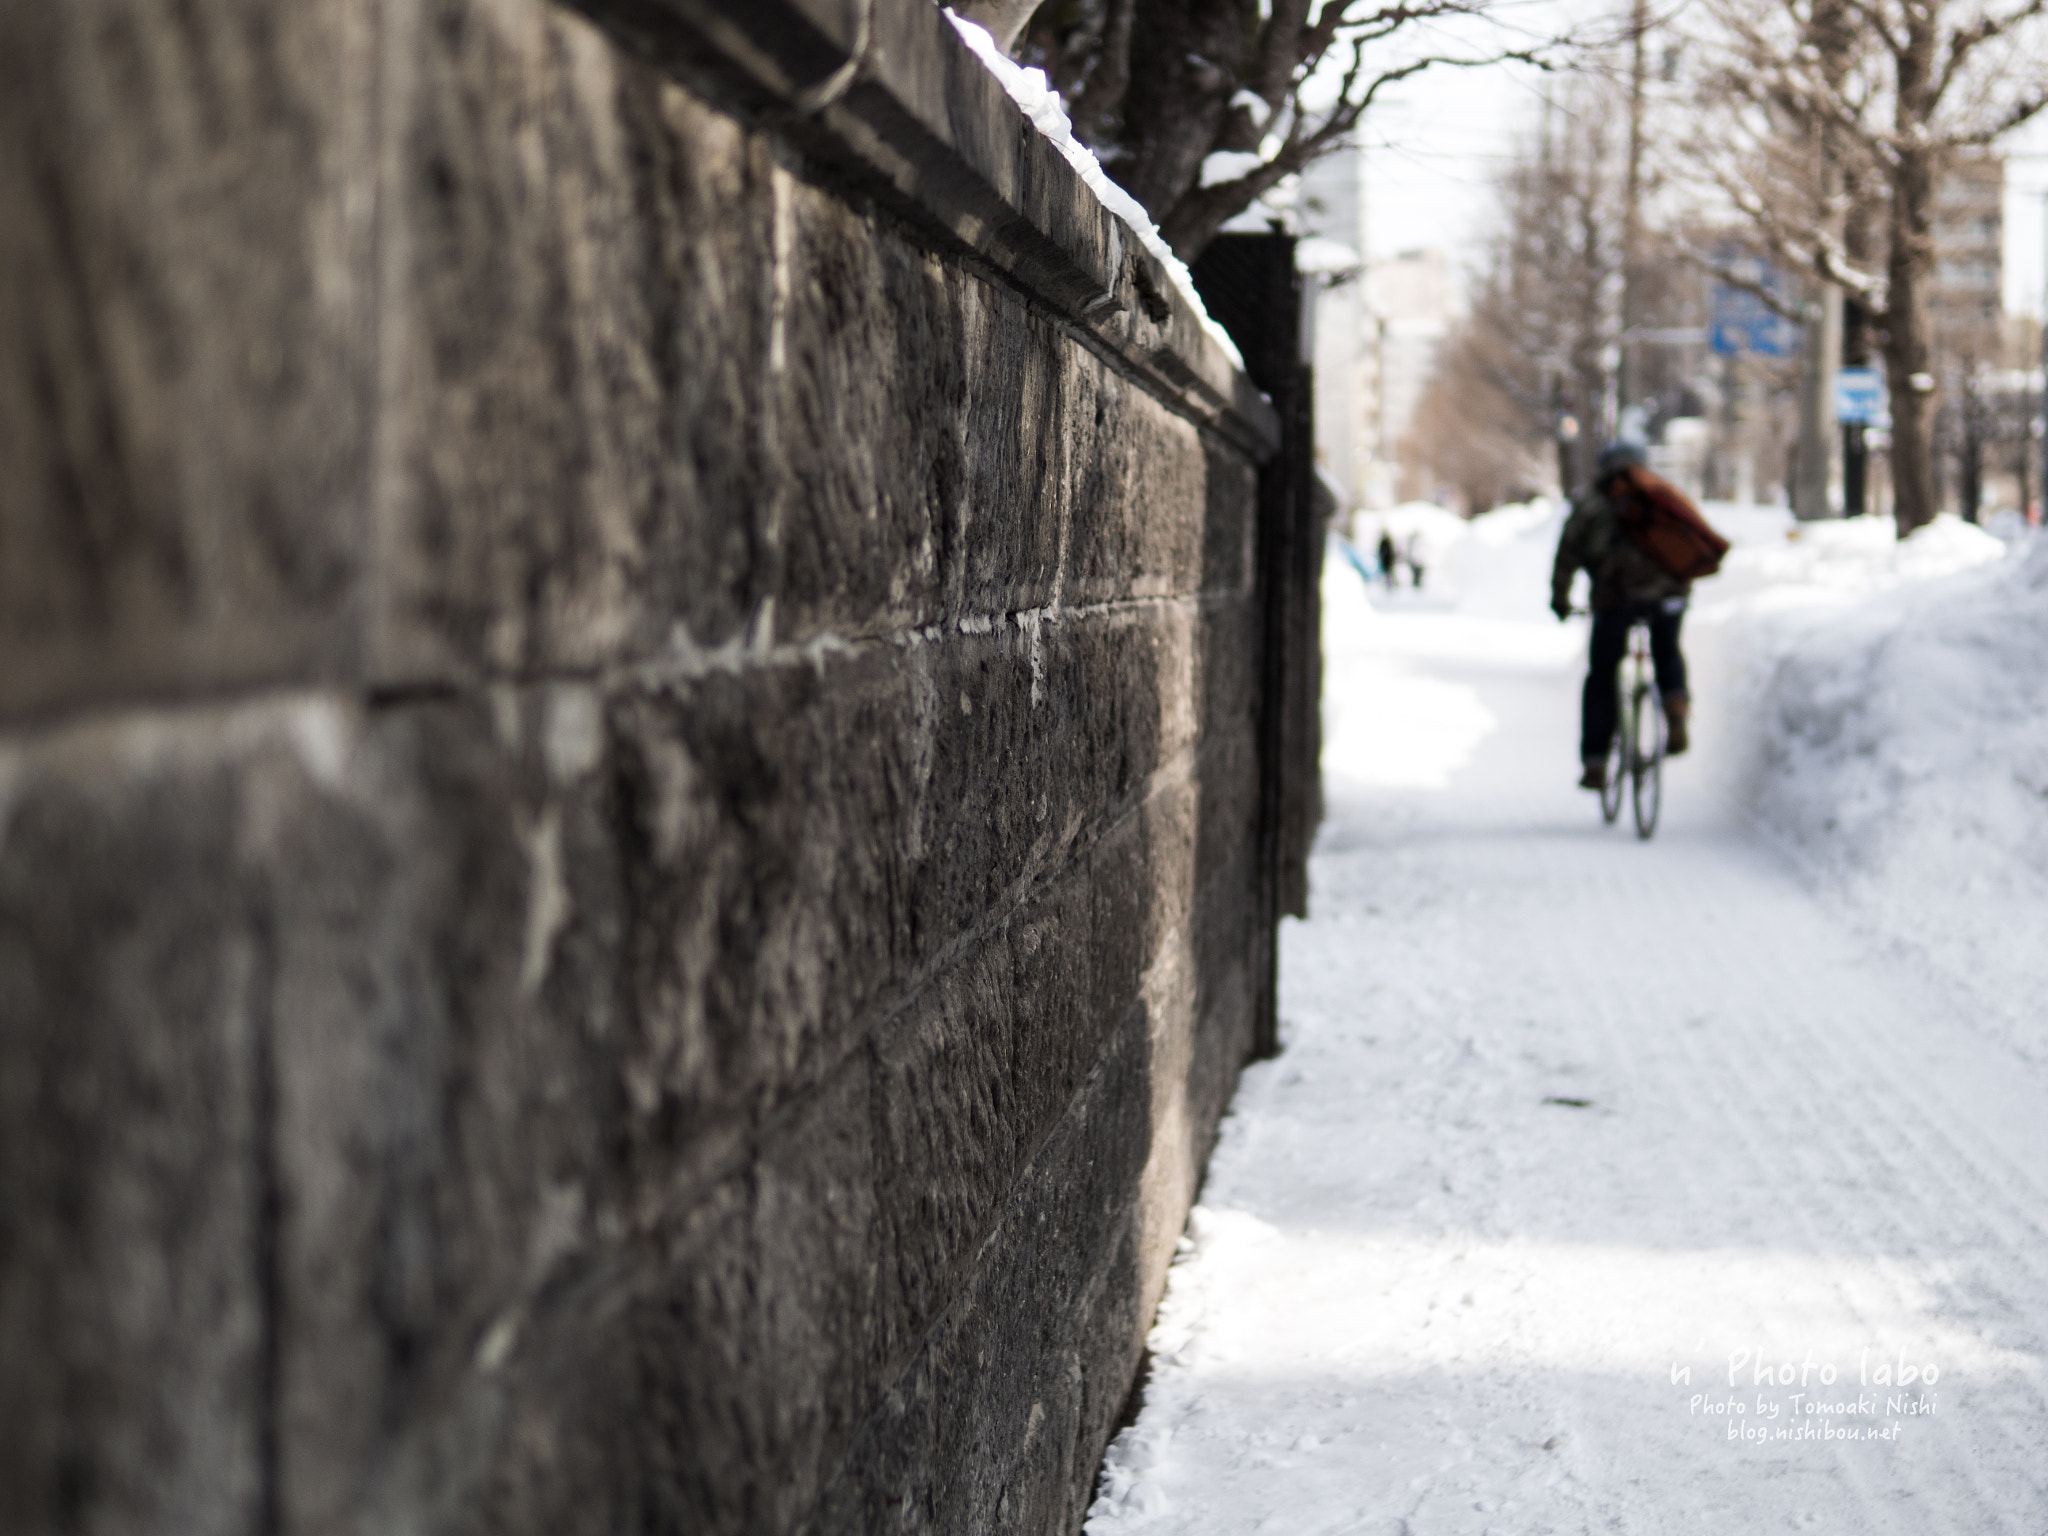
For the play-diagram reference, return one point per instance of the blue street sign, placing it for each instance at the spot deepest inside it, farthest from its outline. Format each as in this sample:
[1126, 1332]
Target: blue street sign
[1859, 397]
[1742, 321]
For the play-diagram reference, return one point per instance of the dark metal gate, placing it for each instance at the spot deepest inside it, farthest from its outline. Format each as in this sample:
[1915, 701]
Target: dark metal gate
[1250, 285]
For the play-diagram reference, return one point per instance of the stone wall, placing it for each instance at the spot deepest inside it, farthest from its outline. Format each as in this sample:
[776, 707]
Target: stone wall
[629, 881]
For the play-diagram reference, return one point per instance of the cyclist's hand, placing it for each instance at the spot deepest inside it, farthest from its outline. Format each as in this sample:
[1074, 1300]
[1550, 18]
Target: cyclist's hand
[1561, 608]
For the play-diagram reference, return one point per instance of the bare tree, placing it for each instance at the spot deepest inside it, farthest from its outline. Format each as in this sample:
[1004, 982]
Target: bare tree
[1541, 338]
[1157, 87]
[1833, 123]
[1480, 426]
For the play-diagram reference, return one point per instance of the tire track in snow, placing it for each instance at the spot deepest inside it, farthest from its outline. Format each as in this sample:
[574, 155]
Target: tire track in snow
[1957, 1205]
[1662, 1059]
[1956, 1198]
[1794, 1055]
[1773, 1059]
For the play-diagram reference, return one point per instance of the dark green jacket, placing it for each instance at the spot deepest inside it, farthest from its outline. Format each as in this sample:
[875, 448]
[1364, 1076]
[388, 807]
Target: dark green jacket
[1593, 542]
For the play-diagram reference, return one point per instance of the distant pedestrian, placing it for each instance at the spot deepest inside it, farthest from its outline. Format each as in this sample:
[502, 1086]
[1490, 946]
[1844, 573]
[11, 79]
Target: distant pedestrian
[1390, 562]
[1414, 557]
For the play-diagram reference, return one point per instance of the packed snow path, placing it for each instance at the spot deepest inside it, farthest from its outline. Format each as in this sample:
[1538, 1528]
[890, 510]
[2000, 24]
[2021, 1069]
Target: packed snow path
[1601, 1185]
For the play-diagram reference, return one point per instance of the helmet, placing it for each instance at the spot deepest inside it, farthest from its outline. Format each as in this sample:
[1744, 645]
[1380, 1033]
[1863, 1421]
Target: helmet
[1617, 456]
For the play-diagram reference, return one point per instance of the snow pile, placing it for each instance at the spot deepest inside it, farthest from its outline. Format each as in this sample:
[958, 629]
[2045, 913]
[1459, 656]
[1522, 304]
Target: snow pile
[1503, 568]
[1423, 520]
[1840, 561]
[1039, 102]
[1422, 532]
[1901, 745]
[1390, 720]
[1519, 521]
[1441, 536]
[1389, 725]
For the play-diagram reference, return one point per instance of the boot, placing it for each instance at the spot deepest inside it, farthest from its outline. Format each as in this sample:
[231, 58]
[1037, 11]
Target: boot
[1677, 709]
[1595, 776]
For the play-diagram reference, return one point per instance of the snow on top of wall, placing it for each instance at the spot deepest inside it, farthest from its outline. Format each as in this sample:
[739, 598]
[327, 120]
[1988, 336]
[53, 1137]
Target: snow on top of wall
[1039, 102]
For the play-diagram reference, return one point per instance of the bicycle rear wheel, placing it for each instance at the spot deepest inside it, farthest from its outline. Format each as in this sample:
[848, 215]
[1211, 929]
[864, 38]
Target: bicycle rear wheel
[1646, 768]
[1618, 755]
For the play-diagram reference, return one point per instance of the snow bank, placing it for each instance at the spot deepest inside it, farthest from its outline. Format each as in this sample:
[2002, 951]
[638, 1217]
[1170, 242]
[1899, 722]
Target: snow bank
[1519, 521]
[1423, 520]
[1036, 98]
[1845, 561]
[1423, 531]
[1895, 698]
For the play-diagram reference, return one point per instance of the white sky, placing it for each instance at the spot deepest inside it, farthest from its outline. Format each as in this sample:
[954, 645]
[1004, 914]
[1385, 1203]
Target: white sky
[1434, 148]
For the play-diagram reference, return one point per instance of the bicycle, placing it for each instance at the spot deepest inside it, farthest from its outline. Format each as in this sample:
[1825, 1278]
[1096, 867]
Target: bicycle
[1637, 750]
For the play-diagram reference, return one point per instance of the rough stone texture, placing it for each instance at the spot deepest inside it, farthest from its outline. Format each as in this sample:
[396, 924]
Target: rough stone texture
[627, 781]
[183, 496]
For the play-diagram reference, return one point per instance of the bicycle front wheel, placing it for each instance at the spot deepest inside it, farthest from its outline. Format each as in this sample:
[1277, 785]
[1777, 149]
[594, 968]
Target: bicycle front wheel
[1646, 771]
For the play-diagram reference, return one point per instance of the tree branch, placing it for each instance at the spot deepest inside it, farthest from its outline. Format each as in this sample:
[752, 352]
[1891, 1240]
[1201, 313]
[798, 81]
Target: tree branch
[1818, 252]
[1967, 40]
[2022, 111]
[1874, 18]
[1774, 302]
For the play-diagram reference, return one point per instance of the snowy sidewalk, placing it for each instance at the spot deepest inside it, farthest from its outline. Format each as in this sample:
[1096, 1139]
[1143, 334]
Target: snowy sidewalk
[1601, 1185]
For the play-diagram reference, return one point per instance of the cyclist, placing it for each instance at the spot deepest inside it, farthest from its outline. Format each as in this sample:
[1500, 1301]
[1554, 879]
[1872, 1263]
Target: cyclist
[1627, 585]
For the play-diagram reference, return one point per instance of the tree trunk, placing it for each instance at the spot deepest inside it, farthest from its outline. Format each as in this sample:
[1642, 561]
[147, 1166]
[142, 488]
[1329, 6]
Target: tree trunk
[1177, 98]
[1194, 220]
[1103, 96]
[1908, 366]
[1909, 382]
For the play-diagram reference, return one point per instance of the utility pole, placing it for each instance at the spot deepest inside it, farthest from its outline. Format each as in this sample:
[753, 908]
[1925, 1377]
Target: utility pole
[1819, 358]
[1627, 384]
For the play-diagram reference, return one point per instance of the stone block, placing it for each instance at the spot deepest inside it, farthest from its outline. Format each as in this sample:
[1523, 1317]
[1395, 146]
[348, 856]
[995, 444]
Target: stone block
[968, 1080]
[315, 1090]
[690, 946]
[704, 1373]
[136, 1230]
[187, 345]
[806, 839]
[553, 406]
[624, 434]
[448, 1028]
[999, 1429]
[658, 391]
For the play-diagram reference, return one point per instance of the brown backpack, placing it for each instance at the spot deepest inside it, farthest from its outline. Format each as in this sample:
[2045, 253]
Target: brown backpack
[1665, 525]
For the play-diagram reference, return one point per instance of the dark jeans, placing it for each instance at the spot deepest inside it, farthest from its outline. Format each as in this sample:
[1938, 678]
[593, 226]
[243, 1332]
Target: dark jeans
[1599, 707]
